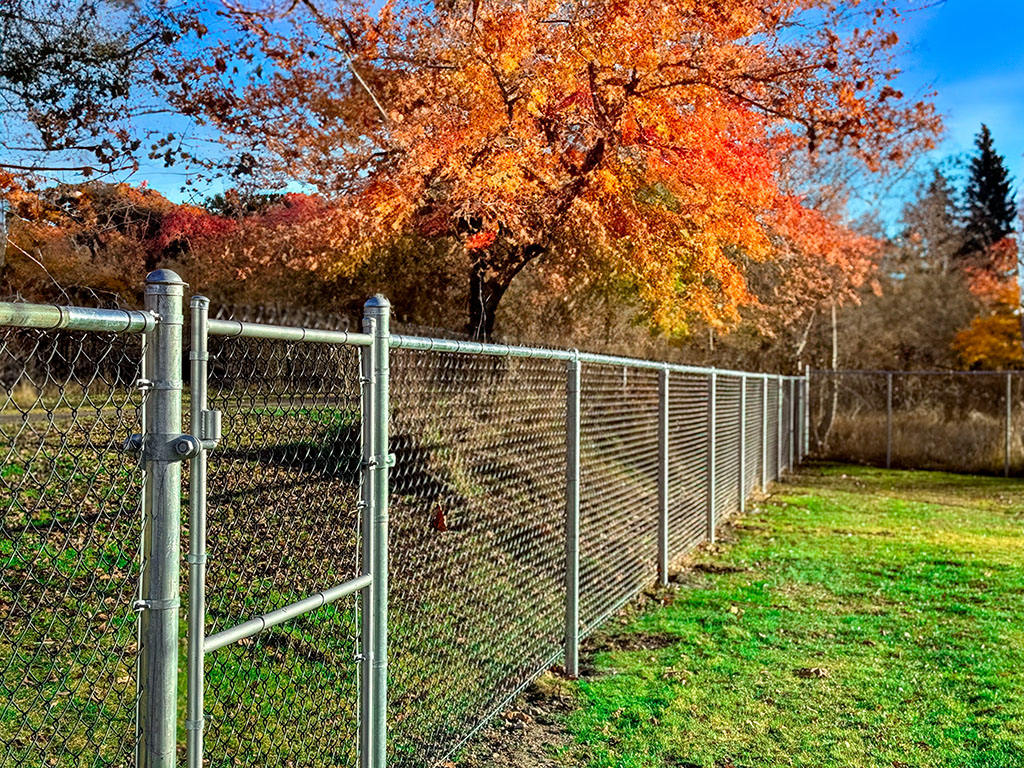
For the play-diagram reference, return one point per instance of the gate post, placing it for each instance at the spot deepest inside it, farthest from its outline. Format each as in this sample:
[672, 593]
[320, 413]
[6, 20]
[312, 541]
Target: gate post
[159, 599]
[663, 391]
[572, 517]
[376, 320]
[366, 407]
[206, 426]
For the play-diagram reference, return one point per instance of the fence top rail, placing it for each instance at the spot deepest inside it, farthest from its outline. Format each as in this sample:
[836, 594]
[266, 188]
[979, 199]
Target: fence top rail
[924, 372]
[426, 344]
[52, 317]
[236, 328]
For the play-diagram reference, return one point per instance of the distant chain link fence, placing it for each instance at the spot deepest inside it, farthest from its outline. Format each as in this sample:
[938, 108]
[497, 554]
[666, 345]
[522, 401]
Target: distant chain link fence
[377, 546]
[960, 421]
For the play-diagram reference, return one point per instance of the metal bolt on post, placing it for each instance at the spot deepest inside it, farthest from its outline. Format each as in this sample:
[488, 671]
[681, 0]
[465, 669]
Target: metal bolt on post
[712, 383]
[377, 314]
[159, 595]
[663, 395]
[572, 519]
[743, 446]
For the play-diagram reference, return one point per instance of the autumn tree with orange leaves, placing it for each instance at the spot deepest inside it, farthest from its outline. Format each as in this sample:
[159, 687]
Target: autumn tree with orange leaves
[650, 134]
[993, 339]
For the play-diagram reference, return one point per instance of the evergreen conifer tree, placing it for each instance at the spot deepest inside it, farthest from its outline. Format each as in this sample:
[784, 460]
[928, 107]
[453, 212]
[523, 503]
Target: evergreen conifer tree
[989, 197]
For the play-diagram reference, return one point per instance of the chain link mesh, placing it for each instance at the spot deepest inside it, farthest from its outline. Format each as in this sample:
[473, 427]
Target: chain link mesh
[477, 541]
[687, 462]
[618, 487]
[950, 420]
[69, 548]
[752, 435]
[283, 524]
[727, 446]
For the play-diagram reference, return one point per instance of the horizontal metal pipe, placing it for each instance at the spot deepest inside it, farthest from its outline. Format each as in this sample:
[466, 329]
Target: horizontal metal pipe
[53, 317]
[286, 333]
[281, 615]
[425, 344]
[882, 372]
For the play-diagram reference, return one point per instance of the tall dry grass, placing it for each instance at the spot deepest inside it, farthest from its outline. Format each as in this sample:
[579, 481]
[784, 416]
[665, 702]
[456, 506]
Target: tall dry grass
[926, 438]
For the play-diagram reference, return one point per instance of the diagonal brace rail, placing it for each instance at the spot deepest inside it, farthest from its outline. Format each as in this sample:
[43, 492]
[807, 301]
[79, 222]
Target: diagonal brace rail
[285, 613]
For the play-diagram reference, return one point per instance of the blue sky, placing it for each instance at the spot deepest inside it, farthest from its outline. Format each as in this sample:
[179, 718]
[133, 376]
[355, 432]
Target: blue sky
[972, 53]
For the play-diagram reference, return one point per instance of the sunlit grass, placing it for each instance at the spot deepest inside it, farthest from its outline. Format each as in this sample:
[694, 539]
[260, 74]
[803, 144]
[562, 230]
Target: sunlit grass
[858, 618]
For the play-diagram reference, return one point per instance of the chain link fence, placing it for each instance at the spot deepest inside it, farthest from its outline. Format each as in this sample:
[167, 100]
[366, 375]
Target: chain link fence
[69, 547]
[380, 548]
[960, 421]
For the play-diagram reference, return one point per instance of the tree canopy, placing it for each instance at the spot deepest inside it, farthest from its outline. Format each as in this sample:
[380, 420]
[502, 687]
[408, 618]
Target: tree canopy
[645, 138]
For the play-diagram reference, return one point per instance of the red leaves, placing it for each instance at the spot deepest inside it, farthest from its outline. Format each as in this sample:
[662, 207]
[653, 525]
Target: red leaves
[480, 240]
[190, 226]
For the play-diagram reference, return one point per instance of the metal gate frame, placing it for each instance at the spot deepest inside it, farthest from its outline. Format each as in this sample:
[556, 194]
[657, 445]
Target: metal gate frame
[371, 584]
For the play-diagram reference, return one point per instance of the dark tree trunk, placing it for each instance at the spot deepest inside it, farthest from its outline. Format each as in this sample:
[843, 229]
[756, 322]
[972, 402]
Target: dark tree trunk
[490, 276]
[485, 292]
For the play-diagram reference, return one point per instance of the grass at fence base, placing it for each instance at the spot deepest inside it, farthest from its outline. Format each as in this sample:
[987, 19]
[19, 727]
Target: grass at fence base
[858, 618]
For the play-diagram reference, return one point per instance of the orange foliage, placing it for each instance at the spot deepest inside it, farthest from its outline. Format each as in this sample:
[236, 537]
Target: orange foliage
[646, 138]
[993, 339]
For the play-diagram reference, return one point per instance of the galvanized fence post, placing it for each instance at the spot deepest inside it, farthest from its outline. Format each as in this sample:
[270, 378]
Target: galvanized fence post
[888, 420]
[159, 595]
[806, 447]
[743, 447]
[205, 425]
[764, 433]
[663, 476]
[377, 315]
[1007, 443]
[791, 427]
[798, 395]
[572, 518]
[778, 429]
[712, 382]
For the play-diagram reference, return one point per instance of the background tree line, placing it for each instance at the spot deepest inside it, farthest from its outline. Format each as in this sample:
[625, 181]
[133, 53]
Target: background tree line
[669, 181]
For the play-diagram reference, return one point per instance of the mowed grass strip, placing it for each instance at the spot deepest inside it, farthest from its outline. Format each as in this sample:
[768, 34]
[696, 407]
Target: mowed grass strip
[858, 617]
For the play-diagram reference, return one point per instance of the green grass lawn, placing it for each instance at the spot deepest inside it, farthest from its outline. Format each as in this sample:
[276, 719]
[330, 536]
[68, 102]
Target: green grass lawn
[858, 617]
